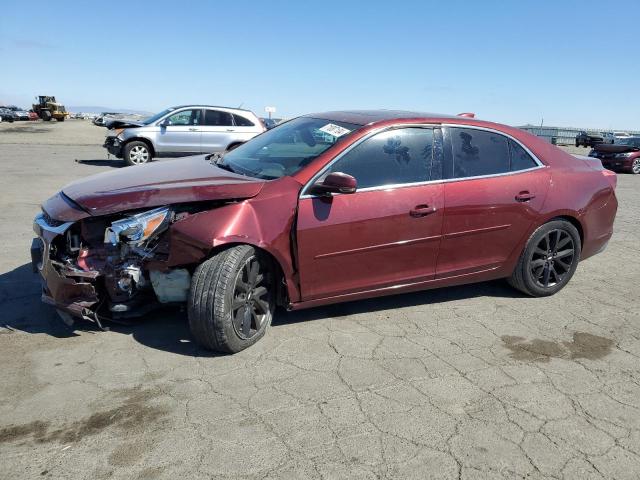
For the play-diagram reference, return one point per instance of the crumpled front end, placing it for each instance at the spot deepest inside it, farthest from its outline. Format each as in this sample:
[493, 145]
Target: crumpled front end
[64, 285]
[97, 267]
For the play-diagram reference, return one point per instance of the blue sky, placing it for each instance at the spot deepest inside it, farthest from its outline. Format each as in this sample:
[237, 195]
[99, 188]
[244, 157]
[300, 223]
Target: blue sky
[571, 62]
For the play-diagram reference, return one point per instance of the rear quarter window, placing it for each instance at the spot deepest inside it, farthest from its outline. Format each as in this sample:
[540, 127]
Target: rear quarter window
[241, 121]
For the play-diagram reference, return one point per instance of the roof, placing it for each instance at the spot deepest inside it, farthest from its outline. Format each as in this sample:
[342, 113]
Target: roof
[199, 105]
[364, 117]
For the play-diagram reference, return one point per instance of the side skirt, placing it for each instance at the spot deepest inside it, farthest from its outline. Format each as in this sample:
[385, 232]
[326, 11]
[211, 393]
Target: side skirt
[492, 273]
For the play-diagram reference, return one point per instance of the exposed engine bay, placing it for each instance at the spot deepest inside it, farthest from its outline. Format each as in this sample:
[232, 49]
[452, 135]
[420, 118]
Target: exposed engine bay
[111, 266]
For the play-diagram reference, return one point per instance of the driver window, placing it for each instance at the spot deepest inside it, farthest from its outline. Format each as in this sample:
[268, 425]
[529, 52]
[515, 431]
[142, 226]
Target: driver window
[392, 157]
[185, 117]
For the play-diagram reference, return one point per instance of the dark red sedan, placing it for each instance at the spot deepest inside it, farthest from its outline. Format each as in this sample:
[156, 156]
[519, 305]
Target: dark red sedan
[324, 208]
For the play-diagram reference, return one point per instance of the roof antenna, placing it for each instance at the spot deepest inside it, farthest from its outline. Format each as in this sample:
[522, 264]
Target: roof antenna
[241, 103]
[467, 115]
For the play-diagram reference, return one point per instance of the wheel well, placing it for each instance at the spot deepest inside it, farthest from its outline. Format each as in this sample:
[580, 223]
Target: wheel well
[143, 140]
[575, 222]
[282, 295]
[233, 145]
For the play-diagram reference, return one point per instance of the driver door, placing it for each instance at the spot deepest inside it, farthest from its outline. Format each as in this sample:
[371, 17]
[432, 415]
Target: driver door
[386, 233]
[180, 133]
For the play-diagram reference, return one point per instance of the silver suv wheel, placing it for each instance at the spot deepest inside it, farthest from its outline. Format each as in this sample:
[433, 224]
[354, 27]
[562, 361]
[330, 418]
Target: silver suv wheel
[139, 154]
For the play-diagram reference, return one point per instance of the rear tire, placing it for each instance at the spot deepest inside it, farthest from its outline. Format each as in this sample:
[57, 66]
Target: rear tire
[635, 166]
[549, 259]
[46, 115]
[232, 299]
[137, 153]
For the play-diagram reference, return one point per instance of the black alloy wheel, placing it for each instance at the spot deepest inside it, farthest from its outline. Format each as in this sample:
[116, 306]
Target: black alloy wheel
[251, 303]
[552, 258]
[549, 259]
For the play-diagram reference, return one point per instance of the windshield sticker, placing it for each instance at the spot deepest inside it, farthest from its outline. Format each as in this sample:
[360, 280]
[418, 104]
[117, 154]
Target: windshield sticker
[334, 130]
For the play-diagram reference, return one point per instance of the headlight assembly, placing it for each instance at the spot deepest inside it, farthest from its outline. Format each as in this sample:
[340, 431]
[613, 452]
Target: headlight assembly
[138, 228]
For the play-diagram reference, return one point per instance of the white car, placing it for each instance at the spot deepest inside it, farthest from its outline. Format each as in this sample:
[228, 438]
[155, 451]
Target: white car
[181, 131]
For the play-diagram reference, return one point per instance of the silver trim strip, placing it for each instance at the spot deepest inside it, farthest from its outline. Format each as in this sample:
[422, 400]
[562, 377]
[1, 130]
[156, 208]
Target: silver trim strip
[304, 195]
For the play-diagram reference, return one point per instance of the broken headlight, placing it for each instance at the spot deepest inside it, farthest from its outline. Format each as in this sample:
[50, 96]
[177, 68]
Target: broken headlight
[138, 228]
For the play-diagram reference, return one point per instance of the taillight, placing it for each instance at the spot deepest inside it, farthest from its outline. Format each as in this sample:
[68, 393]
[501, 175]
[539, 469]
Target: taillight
[611, 176]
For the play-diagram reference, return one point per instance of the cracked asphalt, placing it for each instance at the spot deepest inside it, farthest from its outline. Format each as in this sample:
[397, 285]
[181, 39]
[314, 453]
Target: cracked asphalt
[473, 382]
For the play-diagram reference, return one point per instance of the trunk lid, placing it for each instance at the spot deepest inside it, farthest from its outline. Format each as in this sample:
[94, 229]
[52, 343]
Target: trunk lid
[190, 179]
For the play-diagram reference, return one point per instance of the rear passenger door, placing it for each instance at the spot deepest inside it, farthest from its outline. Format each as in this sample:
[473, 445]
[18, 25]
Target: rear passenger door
[218, 130]
[494, 191]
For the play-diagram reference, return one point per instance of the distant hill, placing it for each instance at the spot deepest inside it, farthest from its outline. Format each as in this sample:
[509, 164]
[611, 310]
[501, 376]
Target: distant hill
[95, 109]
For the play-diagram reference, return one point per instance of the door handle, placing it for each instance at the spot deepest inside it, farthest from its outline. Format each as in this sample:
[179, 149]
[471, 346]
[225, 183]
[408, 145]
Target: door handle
[193, 129]
[230, 130]
[422, 211]
[525, 196]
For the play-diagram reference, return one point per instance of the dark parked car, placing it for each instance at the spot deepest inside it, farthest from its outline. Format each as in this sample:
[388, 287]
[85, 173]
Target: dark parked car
[7, 115]
[269, 123]
[19, 113]
[622, 156]
[324, 208]
[584, 139]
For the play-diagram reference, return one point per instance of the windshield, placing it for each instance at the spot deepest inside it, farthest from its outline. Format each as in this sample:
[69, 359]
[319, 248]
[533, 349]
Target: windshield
[286, 148]
[157, 116]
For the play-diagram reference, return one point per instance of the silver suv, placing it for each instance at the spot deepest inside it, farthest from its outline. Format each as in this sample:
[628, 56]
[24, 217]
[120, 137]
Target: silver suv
[181, 131]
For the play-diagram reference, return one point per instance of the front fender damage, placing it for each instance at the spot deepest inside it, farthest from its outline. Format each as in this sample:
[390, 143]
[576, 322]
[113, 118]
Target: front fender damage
[87, 277]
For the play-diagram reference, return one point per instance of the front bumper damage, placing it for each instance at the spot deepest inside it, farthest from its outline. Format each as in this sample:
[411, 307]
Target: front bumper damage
[113, 146]
[100, 281]
[66, 289]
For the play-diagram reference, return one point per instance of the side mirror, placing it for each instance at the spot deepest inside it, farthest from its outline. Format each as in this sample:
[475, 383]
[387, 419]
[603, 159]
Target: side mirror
[336, 182]
[164, 123]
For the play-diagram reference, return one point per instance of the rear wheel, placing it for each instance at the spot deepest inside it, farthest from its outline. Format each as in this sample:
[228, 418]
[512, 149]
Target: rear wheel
[231, 301]
[635, 166]
[136, 153]
[549, 259]
[46, 115]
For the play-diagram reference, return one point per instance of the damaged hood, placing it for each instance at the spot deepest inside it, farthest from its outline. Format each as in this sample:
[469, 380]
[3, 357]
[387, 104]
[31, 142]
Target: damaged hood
[615, 148]
[122, 123]
[190, 179]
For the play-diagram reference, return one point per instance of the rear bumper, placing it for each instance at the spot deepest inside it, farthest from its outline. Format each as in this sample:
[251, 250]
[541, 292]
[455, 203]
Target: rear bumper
[598, 227]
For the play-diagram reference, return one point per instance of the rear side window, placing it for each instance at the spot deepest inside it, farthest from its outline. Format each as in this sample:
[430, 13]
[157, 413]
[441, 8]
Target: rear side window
[390, 158]
[478, 152]
[216, 118]
[520, 159]
[242, 122]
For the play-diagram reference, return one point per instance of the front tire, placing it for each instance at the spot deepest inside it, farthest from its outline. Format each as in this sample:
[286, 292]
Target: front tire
[137, 153]
[635, 166]
[46, 115]
[232, 299]
[549, 260]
